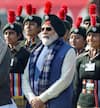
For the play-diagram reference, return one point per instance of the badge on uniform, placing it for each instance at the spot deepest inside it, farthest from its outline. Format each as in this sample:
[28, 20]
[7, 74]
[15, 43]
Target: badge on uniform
[12, 62]
[90, 86]
[90, 66]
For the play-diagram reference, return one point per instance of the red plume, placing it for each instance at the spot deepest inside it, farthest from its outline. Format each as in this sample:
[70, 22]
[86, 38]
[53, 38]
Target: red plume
[19, 10]
[93, 20]
[78, 22]
[92, 9]
[29, 9]
[11, 16]
[33, 10]
[61, 14]
[65, 8]
[47, 8]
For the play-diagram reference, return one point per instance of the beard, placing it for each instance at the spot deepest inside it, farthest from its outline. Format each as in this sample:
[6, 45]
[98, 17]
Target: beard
[48, 40]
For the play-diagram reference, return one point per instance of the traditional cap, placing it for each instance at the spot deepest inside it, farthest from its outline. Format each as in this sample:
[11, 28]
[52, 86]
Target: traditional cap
[93, 28]
[62, 16]
[79, 29]
[57, 24]
[12, 24]
[19, 18]
[91, 10]
[87, 18]
[67, 18]
[30, 16]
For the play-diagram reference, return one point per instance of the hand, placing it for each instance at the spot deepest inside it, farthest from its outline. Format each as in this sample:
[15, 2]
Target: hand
[37, 103]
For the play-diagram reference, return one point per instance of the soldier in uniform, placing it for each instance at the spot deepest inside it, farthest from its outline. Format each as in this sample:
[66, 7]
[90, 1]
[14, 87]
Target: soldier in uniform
[62, 16]
[86, 22]
[19, 55]
[68, 21]
[77, 38]
[87, 77]
[91, 11]
[32, 26]
[5, 97]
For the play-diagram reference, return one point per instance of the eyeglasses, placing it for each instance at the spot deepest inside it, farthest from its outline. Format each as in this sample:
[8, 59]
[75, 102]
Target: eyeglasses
[46, 28]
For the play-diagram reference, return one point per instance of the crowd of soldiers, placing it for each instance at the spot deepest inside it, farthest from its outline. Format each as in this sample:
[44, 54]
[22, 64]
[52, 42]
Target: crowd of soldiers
[50, 62]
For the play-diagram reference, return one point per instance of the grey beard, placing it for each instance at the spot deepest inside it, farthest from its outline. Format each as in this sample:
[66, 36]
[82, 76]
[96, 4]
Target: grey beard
[49, 39]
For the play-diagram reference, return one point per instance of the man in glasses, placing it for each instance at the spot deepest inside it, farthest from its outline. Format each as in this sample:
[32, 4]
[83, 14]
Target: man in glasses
[47, 80]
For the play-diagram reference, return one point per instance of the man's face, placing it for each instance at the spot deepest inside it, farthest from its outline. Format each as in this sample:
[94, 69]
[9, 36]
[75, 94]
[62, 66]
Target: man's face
[48, 34]
[31, 28]
[11, 37]
[77, 41]
[93, 40]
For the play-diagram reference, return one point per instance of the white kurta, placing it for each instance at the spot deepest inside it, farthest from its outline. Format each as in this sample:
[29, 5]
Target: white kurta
[67, 73]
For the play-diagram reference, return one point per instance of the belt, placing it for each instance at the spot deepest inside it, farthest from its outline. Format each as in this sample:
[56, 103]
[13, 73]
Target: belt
[88, 86]
[84, 91]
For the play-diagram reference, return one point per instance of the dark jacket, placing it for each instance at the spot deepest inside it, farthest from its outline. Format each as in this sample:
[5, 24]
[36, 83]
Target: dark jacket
[64, 100]
[4, 79]
[87, 99]
[19, 58]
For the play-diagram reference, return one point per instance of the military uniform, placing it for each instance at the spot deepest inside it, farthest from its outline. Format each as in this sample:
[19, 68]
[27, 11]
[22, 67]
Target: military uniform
[86, 78]
[19, 57]
[31, 44]
[31, 17]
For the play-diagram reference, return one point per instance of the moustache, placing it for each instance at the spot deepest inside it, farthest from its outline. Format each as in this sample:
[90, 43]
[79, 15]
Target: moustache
[47, 37]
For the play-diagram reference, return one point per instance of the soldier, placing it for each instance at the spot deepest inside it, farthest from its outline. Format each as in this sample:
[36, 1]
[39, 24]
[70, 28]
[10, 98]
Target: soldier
[19, 55]
[91, 11]
[86, 22]
[5, 98]
[32, 26]
[77, 38]
[62, 16]
[86, 81]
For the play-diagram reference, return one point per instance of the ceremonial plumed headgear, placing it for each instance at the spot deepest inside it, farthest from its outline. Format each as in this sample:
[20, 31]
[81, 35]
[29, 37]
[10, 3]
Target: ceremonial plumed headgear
[31, 15]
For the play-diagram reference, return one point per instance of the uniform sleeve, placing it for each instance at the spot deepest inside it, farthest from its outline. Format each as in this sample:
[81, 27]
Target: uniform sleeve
[26, 86]
[67, 73]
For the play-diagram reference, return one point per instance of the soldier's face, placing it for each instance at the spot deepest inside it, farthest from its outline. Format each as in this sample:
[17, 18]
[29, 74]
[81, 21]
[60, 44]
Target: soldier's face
[93, 40]
[77, 41]
[11, 37]
[31, 28]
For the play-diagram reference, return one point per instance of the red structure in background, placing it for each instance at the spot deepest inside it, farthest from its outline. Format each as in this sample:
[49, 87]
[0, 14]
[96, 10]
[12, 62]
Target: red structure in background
[75, 6]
